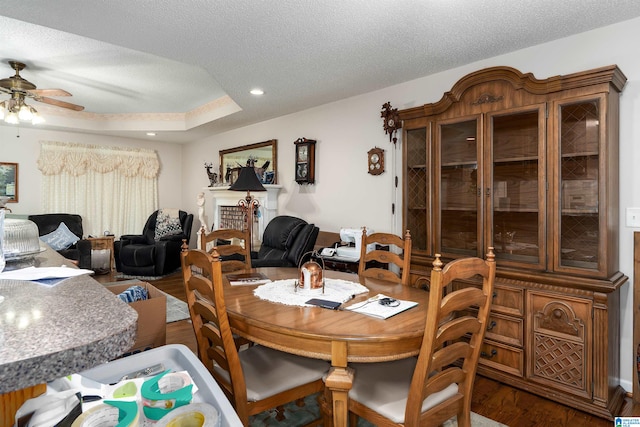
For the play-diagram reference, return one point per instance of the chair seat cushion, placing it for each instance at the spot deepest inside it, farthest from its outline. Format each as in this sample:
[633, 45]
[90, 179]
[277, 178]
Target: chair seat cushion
[268, 372]
[138, 255]
[384, 387]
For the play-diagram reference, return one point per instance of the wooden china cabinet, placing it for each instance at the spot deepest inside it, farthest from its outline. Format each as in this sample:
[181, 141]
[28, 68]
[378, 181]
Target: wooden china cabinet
[530, 167]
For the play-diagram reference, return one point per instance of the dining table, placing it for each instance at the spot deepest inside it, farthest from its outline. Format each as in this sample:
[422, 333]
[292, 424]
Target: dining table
[339, 336]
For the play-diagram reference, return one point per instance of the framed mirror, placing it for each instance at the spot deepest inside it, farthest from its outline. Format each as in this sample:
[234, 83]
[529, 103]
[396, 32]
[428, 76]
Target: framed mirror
[9, 181]
[263, 156]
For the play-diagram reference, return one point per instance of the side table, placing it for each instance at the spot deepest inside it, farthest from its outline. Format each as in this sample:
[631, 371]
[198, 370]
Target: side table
[104, 242]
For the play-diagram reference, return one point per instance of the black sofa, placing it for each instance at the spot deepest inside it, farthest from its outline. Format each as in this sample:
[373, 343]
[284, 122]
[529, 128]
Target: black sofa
[79, 251]
[143, 255]
[285, 240]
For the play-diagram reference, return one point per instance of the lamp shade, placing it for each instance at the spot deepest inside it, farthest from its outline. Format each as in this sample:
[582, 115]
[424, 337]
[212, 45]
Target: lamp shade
[247, 181]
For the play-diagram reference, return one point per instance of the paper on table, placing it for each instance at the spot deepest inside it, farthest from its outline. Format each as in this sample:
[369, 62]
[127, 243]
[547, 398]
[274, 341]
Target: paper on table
[38, 273]
[372, 307]
[247, 279]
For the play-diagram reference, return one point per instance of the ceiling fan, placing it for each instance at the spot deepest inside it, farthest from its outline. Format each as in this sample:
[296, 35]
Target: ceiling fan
[19, 89]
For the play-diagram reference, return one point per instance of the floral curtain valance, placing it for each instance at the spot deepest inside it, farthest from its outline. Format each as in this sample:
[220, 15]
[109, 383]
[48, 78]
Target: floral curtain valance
[77, 159]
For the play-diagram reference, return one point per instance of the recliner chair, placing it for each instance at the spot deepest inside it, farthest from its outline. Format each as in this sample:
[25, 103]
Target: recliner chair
[143, 255]
[285, 240]
[79, 251]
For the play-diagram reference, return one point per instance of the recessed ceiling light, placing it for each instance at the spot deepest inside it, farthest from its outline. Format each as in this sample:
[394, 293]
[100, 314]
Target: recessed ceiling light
[256, 92]
[151, 134]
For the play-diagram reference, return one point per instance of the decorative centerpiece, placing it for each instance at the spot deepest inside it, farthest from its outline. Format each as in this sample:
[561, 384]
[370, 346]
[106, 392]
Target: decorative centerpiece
[311, 277]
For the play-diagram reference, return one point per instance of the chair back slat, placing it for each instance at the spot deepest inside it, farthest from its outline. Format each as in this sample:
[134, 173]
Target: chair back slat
[235, 253]
[397, 257]
[202, 276]
[218, 350]
[455, 327]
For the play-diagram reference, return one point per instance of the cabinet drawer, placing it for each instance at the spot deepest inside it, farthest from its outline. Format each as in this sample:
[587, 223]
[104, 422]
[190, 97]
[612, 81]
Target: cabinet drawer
[502, 357]
[505, 329]
[506, 299]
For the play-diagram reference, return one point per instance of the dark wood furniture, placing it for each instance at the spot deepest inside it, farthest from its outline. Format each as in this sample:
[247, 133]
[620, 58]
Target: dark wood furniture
[531, 167]
[636, 317]
[305, 167]
[320, 333]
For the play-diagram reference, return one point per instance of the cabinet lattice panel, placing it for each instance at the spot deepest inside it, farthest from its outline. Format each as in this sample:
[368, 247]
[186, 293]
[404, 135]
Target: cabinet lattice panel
[559, 360]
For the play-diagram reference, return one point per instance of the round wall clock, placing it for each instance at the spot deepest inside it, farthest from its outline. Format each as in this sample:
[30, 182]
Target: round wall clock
[376, 161]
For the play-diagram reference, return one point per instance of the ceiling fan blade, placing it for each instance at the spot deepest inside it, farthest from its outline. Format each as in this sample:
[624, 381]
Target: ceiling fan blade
[50, 92]
[57, 103]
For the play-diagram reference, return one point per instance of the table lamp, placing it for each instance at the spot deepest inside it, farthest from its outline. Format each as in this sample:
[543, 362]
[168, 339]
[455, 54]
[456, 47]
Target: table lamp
[248, 181]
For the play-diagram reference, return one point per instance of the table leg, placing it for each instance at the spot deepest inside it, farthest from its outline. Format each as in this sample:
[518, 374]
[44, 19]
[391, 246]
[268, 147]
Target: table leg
[339, 382]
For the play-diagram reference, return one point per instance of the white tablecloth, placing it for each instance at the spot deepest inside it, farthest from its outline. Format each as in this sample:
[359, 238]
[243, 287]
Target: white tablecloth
[285, 292]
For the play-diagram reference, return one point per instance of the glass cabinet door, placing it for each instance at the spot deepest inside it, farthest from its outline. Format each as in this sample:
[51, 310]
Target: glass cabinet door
[458, 188]
[579, 223]
[416, 187]
[516, 220]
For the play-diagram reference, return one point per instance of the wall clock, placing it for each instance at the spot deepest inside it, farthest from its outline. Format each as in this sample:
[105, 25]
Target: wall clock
[305, 169]
[391, 121]
[376, 161]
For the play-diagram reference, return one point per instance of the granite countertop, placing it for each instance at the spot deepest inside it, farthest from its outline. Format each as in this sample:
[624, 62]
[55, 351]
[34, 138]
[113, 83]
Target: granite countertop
[50, 332]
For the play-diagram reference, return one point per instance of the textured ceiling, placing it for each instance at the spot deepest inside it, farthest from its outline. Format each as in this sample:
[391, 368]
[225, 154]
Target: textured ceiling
[190, 64]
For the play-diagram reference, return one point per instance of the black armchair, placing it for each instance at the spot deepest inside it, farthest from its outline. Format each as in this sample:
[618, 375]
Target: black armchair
[284, 242]
[79, 251]
[144, 255]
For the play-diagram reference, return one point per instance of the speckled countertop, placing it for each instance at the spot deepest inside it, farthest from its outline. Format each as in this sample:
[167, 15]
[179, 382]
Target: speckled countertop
[47, 333]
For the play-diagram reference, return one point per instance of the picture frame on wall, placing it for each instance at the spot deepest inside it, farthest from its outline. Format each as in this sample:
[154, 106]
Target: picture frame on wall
[9, 181]
[262, 155]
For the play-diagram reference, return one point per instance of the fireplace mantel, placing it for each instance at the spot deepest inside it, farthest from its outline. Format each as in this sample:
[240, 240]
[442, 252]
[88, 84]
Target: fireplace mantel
[268, 209]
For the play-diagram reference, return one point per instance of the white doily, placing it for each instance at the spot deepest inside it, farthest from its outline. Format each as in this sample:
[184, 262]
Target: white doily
[284, 291]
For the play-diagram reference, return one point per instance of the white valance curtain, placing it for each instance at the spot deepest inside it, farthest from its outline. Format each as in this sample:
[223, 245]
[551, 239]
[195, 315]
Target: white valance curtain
[112, 188]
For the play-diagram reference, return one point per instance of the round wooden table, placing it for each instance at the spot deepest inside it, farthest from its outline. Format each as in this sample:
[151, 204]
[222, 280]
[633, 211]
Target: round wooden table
[338, 336]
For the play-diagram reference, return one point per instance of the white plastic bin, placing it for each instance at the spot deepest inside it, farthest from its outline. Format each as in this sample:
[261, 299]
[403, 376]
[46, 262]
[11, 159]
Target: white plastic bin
[176, 357]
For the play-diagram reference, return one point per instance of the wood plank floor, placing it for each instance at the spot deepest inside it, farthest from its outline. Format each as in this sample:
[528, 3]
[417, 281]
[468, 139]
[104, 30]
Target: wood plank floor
[491, 399]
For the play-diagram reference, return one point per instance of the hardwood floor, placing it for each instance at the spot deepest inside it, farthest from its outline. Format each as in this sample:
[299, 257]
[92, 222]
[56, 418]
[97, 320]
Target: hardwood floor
[508, 405]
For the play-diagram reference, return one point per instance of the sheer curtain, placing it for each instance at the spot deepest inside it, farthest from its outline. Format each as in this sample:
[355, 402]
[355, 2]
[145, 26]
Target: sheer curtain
[112, 188]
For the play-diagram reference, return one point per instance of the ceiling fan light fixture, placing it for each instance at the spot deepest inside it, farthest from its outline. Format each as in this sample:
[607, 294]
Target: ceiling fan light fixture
[37, 118]
[24, 113]
[12, 118]
[15, 110]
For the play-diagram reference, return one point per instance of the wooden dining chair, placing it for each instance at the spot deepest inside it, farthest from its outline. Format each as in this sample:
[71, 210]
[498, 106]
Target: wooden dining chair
[437, 385]
[235, 254]
[384, 254]
[255, 379]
